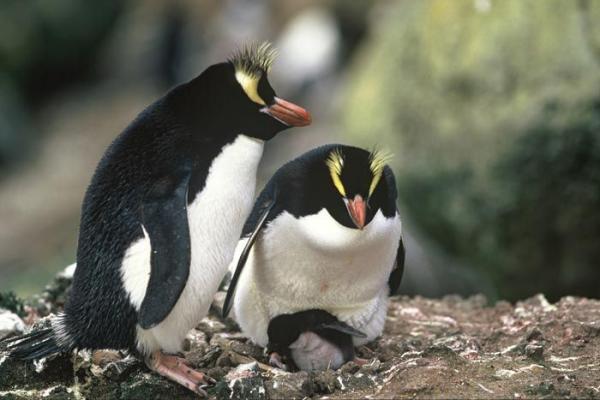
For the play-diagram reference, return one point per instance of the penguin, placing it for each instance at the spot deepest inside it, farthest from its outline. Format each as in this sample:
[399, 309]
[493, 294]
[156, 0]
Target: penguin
[162, 215]
[324, 235]
[310, 340]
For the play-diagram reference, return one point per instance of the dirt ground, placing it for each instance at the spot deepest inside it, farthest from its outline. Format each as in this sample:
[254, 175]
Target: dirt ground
[431, 348]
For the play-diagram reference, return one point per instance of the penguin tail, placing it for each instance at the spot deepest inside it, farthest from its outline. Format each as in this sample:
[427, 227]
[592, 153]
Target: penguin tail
[34, 345]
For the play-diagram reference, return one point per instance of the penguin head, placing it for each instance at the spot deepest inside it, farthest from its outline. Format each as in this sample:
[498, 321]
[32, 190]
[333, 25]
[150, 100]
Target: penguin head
[356, 187]
[264, 114]
[235, 97]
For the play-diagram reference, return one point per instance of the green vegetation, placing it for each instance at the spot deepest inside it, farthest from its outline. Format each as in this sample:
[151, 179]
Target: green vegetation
[491, 109]
[10, 301]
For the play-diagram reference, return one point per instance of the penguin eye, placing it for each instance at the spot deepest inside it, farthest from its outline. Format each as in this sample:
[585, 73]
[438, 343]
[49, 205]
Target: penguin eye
[249, 84]
[265, 91]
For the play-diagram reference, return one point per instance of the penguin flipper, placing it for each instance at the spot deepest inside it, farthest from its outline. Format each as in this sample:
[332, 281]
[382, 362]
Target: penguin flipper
[164, 216]
[342, 327]
[396, 275]
[266, 209]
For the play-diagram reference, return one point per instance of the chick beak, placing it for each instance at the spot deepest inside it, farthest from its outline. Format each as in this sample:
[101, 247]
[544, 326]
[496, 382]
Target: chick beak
[288, 113]
[357, 208]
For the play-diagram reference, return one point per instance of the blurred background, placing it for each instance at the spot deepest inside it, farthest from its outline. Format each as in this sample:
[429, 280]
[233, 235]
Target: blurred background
[491, 108]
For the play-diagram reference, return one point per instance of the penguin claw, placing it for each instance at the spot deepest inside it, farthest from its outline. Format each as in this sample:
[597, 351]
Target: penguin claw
[201, 391]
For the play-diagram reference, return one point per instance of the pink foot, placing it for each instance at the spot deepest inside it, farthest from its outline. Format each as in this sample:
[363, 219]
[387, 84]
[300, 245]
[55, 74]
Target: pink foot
[176, 369]
[276, 361]
[360, 361]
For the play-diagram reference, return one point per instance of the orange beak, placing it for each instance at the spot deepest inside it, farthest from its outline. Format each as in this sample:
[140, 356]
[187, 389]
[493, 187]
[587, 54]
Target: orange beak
[357, 208]
[288, 113]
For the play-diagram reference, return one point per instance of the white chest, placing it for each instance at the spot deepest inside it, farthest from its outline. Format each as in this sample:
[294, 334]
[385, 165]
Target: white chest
[215, 218]
[217, 215]
[314, 262]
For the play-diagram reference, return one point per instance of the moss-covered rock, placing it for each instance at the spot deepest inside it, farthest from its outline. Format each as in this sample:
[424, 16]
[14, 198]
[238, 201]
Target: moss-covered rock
[468, 94]
[10, 301]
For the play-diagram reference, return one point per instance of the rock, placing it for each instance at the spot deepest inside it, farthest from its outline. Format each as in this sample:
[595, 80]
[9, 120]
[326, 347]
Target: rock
[489, 109]
[349, 368]
[104, 357]
[29, 376]
[246, 385]
[290, 386]
[355, 382]
[372, 367]
[504, 373]
[325, 381]
[237, 343]
[119, 369]
[535, 351]
[243, 370]
[451, 347]
[209, 358]
[195, 346]
[217, 373]
[145, 386]
[10, 324]
[210, 326]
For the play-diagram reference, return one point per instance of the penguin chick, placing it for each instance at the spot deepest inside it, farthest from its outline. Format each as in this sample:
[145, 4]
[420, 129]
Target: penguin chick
[311, 340]
[324, 234]
[162, 214]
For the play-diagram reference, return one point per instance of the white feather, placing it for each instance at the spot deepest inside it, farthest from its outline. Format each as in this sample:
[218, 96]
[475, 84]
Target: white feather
[135, 269]
[315, 262]
[215, 218]
[313, 353]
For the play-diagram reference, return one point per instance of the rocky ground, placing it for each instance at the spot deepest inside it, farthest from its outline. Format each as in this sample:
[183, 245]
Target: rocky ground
[446, 348]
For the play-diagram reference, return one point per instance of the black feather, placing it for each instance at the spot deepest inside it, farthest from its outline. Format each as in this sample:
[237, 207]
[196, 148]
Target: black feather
[266, 209]
[30, 336]
[33, 345]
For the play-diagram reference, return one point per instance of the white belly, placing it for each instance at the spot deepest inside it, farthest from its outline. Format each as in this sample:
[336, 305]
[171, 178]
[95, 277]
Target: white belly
[215, 218]
[314, 262]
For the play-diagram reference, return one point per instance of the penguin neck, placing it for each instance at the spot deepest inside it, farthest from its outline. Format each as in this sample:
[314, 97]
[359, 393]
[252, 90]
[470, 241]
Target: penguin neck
[245, 148]
[203, 118]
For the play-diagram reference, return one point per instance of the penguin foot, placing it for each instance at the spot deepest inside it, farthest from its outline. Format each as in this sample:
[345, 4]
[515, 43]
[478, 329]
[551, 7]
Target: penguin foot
[360, 361]
[177, 369]
[276, 361]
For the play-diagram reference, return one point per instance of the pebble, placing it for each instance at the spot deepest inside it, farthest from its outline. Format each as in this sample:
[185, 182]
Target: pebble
[10, 324]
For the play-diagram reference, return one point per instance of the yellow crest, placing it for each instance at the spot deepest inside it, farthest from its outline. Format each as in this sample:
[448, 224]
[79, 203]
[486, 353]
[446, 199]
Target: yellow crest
[250, 63]
[377, 161]
[335, 163]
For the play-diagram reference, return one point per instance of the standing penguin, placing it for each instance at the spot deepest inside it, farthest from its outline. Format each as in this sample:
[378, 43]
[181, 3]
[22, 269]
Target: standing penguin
[162, 214]
[320, 253]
